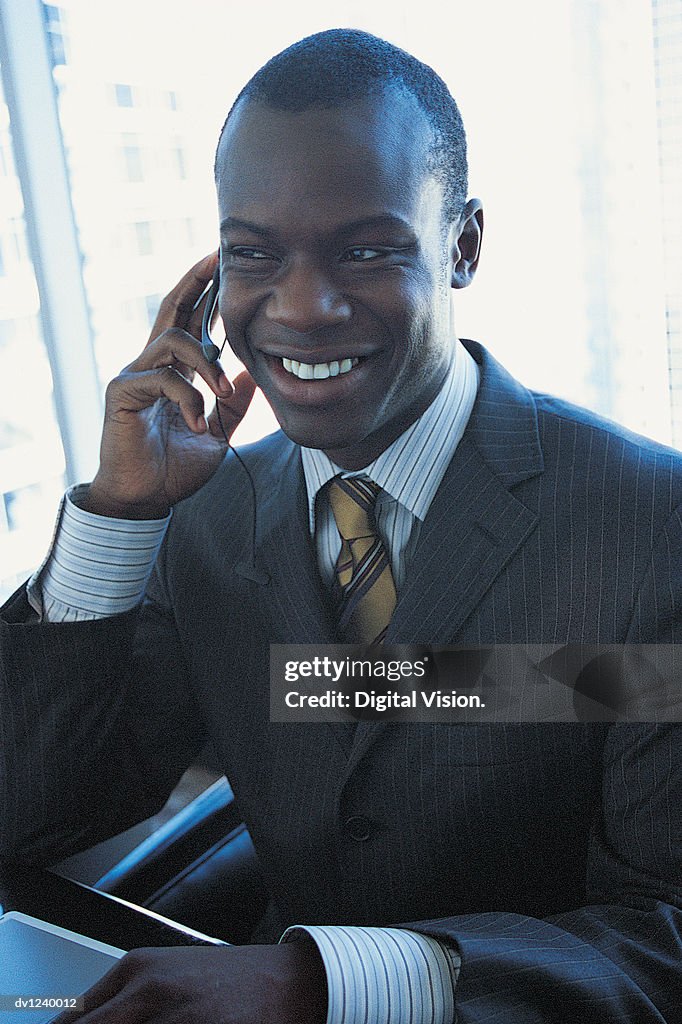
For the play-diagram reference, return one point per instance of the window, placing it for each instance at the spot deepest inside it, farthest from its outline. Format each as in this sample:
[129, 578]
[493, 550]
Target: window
[17, 235]
[132, 159]
[143, 238]
[152, 303]
[54, 25]
[4, 155]
[178, 155]
[31, 455]
[123, 95]
[560, 131]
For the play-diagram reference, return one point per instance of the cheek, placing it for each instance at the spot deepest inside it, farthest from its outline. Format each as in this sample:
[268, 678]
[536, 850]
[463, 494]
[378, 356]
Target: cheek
[401, 309]
[237, 309]
[430, 313]
[416, 298]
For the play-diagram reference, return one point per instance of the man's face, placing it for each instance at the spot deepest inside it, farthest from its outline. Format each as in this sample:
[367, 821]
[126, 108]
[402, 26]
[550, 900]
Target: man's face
[336, 268]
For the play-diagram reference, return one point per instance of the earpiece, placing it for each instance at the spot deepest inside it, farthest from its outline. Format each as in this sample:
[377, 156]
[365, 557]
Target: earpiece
[211, 353]
[209, 349]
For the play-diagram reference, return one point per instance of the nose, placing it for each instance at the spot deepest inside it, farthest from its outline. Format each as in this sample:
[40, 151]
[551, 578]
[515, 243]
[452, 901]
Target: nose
[305, 299]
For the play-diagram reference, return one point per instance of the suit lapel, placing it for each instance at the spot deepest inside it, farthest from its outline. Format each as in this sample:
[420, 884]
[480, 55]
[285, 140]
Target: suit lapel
[472, 529]
[293, 600]
[475, 523]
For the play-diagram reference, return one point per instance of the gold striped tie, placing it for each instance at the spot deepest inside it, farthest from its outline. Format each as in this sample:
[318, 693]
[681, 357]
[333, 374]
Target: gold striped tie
[363, 570]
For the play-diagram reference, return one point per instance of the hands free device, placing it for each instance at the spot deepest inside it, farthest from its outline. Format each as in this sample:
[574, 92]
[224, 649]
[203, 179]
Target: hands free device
[212, 353]
[210, 350]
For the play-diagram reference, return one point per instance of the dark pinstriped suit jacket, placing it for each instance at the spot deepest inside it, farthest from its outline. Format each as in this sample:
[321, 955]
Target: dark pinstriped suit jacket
[551, 854]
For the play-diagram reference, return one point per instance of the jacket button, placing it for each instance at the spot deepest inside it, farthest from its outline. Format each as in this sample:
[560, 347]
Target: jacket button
[358, 827]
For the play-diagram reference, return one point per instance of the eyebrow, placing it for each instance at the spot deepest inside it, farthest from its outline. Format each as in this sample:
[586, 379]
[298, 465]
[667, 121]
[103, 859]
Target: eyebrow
[234, 224]
[380, 220]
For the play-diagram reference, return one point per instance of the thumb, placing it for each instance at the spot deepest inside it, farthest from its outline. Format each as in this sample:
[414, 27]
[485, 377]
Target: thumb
[233, 409]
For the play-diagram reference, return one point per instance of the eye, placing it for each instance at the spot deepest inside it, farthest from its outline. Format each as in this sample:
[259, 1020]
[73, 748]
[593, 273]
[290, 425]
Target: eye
[361, 254]
[245, 254]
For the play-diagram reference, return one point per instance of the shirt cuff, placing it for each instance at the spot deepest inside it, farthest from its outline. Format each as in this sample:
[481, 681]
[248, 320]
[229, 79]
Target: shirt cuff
[96, 566]
[384, 975]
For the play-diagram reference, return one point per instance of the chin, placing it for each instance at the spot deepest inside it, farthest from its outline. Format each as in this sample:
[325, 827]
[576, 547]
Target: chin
[304, 426]
[324, 440]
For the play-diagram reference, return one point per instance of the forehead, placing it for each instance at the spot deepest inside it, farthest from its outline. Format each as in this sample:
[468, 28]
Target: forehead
[323, 165]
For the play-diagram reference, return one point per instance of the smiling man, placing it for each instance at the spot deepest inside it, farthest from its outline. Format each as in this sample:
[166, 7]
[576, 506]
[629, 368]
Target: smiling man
[337, 298]
[518, 873]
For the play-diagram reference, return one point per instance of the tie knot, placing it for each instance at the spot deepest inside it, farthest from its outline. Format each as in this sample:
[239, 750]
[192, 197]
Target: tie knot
[353, 500]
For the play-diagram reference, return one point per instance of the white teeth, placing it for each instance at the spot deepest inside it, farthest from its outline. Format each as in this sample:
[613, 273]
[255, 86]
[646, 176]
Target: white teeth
[319, 371]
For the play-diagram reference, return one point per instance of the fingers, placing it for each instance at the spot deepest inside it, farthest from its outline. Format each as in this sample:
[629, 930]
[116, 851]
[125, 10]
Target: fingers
[137, 389]
[133, 392]
[106, 989]
[232, 409]
[177, 349]
[121, 1009]
[112, 1000]
[164, 370]
[179, 308]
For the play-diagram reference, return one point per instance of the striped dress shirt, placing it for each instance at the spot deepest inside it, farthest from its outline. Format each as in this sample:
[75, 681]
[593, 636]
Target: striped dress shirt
[409, 473]
[99, 566]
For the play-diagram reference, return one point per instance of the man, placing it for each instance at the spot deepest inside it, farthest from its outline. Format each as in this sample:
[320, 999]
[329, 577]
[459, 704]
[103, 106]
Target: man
[539, 866]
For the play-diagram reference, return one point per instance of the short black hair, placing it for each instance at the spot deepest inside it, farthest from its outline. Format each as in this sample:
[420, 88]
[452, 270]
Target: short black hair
[332, 68]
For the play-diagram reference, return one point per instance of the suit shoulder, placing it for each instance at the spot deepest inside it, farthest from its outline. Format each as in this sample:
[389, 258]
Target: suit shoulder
[268, 452]
[229, 491]
[557, 417]
[569, 432]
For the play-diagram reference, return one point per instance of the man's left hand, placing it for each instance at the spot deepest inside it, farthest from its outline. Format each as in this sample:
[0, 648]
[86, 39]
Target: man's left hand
[284, 984]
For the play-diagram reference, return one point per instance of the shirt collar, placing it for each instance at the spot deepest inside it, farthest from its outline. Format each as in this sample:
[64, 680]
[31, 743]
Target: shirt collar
[412, 467]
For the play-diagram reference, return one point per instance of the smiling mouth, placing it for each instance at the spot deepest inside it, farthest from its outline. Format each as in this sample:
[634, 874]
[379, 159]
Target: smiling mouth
[319, 371]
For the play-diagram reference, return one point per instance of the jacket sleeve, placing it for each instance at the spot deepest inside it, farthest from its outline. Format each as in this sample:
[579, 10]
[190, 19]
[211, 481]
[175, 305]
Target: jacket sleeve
[87, 746]
[618, 959]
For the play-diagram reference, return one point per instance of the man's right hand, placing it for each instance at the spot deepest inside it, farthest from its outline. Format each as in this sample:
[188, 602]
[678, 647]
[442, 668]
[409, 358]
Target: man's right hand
[157, 446]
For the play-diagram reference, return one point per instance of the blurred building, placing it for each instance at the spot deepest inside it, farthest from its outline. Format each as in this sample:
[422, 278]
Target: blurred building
[574, 113]
[667, 23]
[620, 255]
[139, 194]
[31, 457]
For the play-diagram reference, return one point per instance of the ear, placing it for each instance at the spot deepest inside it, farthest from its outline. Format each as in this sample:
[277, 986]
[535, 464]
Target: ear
[467, 244]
